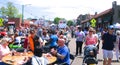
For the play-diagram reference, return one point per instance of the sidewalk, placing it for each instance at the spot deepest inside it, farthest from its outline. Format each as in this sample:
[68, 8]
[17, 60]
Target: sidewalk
[78, 59]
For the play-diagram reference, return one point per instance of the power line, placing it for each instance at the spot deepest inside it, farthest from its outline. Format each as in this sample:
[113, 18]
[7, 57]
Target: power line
[31, 14]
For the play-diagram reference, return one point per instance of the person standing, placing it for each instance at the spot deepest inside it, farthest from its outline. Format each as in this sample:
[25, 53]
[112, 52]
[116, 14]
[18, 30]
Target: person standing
[98, 38]
[116, 45]
[34, 41]
[25, 45]
[80, 35]
[91, 39]
[108, 40]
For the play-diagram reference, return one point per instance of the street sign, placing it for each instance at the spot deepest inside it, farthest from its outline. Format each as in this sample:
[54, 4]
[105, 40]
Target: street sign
[1, 21]
[93, 22]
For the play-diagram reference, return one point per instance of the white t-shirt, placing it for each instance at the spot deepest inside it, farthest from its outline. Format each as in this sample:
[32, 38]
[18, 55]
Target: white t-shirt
[39, 60]
[3, 51]
[17, 40]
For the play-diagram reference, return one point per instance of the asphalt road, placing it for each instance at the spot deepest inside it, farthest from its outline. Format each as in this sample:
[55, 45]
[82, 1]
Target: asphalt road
[78, 59]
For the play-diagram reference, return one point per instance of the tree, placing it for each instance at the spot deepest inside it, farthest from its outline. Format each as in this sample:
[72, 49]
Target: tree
[70, 23]
[19, 16]
[3, 11]
[29, 18]
[10, 11]
[56, 20]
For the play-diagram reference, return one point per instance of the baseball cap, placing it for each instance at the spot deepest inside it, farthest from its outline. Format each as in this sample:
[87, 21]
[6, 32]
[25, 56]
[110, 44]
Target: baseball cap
[3, 33]
[111, 27]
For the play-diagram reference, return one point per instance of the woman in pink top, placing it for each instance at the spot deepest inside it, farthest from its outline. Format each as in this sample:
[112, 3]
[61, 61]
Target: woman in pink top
[91, 39]
[4, 49]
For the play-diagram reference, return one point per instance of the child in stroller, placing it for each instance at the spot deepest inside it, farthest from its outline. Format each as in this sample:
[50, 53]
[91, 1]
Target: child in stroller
[90, 55]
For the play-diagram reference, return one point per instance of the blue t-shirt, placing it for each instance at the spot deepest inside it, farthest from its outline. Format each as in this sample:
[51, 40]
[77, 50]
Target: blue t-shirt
[54, 39]
[108, 41]
[65, 52]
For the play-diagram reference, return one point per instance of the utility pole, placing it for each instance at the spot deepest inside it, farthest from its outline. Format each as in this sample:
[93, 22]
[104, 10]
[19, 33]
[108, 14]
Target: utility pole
[22, 13]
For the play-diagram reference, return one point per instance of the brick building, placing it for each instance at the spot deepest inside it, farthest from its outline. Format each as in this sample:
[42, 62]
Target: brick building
[105, 18]
[16, 22]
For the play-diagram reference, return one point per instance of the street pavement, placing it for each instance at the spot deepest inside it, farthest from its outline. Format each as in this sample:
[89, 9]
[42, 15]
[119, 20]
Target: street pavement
[78, 59]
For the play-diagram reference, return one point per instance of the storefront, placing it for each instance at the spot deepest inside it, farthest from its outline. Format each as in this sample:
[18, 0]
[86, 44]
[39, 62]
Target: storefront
[11, 27]
[102, 19]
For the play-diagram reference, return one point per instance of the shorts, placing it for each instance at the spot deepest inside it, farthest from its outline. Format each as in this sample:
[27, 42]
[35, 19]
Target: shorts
[107, 54]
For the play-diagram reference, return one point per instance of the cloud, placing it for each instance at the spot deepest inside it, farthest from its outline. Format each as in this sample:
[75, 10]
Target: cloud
[67, 8]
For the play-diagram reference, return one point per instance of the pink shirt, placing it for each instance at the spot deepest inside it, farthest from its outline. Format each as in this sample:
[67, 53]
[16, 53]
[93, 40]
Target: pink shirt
[3, 51]
[91, 40]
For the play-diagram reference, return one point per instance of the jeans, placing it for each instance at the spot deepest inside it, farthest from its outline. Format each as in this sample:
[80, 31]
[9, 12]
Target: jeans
[79, 47]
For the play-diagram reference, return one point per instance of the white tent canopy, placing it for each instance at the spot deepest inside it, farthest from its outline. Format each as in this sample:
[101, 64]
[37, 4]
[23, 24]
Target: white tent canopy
[117, 25]
[52, 24]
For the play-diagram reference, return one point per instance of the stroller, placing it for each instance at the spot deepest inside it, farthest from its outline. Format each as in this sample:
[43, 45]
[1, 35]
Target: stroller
[90, 55]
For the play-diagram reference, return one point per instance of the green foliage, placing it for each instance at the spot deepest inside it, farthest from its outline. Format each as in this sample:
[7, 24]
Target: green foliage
[10, 11]
[3, 10]
[70, 23]
[19, 16]
[56, 20]
[29, 18]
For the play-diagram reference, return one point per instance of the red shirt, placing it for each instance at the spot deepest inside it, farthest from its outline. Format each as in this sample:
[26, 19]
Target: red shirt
[25, 43]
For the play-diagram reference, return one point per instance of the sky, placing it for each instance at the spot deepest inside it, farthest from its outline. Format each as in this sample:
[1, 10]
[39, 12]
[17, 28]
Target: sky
[68, 9]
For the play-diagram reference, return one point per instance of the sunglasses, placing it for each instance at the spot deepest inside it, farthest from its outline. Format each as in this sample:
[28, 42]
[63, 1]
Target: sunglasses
[90, 31]
[112, 29]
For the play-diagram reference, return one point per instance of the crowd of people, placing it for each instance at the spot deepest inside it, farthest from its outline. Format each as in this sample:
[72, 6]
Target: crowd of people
[110, 42]
[35, 39]
[56, 41]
